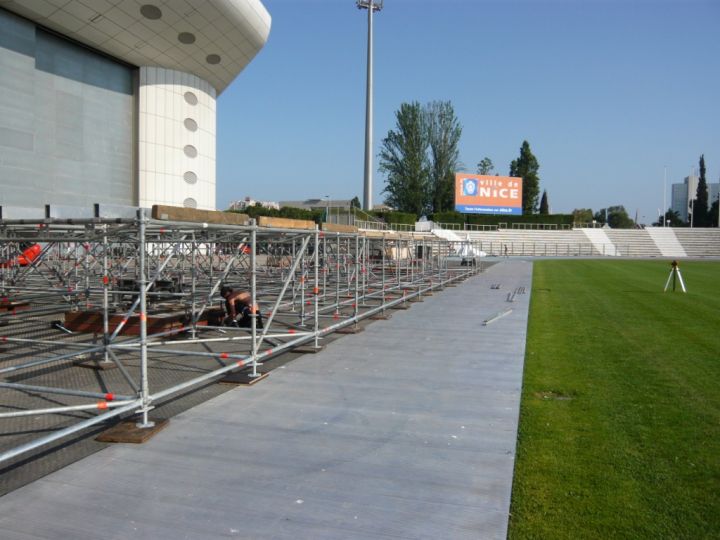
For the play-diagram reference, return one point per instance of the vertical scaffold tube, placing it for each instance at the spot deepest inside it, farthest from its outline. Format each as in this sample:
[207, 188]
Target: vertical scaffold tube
[364, 268]
[337, 274]
[193, 276]
[106, 285]
[144, 385]
[316, 288]
[383, 273]
[253, 295]
[357, 276]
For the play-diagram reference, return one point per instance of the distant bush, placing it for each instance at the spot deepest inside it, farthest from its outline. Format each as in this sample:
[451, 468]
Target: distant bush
[554, 219]
[285, 212]
[487, 219]
[448, 217]
[400, 217]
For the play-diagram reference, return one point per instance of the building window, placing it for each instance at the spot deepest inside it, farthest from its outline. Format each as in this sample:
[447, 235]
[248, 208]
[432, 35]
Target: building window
[190, 124]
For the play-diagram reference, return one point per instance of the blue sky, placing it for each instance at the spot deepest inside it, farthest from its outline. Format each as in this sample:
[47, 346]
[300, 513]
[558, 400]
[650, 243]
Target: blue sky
[608, 93]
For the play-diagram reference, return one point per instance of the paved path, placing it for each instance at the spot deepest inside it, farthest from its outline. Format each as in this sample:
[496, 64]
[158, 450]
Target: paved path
[406, 430]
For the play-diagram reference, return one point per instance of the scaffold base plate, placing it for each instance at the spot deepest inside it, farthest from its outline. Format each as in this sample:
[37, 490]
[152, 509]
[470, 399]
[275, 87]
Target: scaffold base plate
[355, 329]
[308, 349]
[129, 432]
[243, 377]
[96, 364]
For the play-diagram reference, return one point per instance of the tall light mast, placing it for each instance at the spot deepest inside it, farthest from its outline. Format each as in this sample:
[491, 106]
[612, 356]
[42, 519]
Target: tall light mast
[370, 5]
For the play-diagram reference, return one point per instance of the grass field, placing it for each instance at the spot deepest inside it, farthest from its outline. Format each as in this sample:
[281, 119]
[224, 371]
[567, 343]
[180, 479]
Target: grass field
[620, 415]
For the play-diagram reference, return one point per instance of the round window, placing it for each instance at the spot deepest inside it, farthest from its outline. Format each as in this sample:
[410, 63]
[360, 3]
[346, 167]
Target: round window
[190, 151]
[190, 177]
[190, 124]
[190, 98]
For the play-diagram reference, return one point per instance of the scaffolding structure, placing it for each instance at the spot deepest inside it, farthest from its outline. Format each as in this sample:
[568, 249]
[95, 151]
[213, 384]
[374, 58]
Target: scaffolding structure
[114, 316]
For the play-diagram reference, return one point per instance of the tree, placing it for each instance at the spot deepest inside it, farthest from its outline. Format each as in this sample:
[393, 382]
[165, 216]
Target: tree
[544, 208]
[485, 166]
[600, 216]
[444, 132]
[526, 167]
[617, 217]
[355, 202]
[714, 214]
[582, 215]
[700, 214]
[403, 157]
[672, 218]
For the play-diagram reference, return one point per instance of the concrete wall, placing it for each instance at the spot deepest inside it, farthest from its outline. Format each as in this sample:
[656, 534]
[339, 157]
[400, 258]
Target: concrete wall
[67, 121]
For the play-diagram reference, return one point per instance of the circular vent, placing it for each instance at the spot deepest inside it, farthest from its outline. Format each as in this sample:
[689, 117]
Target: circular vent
[186, 37]
[190, 177]
[190, 203]
[151, 12]
[190, 151]
[190, 98]
[190, 124]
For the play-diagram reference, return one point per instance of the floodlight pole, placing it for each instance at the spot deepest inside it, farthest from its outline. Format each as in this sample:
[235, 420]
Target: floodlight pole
[370, 5]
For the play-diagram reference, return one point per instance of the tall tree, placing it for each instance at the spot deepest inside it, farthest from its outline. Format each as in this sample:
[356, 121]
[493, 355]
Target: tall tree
[701, 216]
[601, 216]
[526, 167]
[444, 132]
[618, 218]
[582, 216]
[485, 166]
[403, 157]
[672, 219]
[544, 208]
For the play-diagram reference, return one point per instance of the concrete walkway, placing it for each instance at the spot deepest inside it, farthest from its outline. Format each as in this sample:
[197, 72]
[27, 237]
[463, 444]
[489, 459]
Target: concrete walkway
[406, 430]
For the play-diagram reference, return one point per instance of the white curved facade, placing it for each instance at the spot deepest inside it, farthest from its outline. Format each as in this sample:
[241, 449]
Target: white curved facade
[176, 139]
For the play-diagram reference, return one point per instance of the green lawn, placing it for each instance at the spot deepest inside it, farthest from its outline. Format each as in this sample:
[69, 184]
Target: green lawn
[620, 415]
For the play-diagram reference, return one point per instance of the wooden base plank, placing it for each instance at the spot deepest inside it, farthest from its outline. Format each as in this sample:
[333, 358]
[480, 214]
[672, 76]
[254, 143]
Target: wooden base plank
[129, 432]
[308, 349]
[354, 329]
[243, 378]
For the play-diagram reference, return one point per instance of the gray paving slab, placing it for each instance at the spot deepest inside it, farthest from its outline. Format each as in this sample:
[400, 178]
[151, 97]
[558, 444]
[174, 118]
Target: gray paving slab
[406, 430]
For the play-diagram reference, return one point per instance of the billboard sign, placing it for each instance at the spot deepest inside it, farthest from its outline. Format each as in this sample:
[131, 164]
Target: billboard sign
[482, 194]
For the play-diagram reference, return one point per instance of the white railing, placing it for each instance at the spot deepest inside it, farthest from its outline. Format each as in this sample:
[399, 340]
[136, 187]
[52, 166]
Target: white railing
[371, 225]
[401, 226]
[553, 249]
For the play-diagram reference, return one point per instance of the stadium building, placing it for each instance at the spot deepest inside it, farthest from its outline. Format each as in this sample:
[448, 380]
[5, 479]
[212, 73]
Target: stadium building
[114, 101]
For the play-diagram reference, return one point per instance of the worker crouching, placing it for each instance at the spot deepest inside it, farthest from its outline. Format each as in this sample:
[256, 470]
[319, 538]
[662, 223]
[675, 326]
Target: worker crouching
[239, 309]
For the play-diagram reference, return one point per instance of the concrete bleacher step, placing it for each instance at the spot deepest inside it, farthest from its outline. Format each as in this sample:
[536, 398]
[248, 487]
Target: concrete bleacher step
[666, 241]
